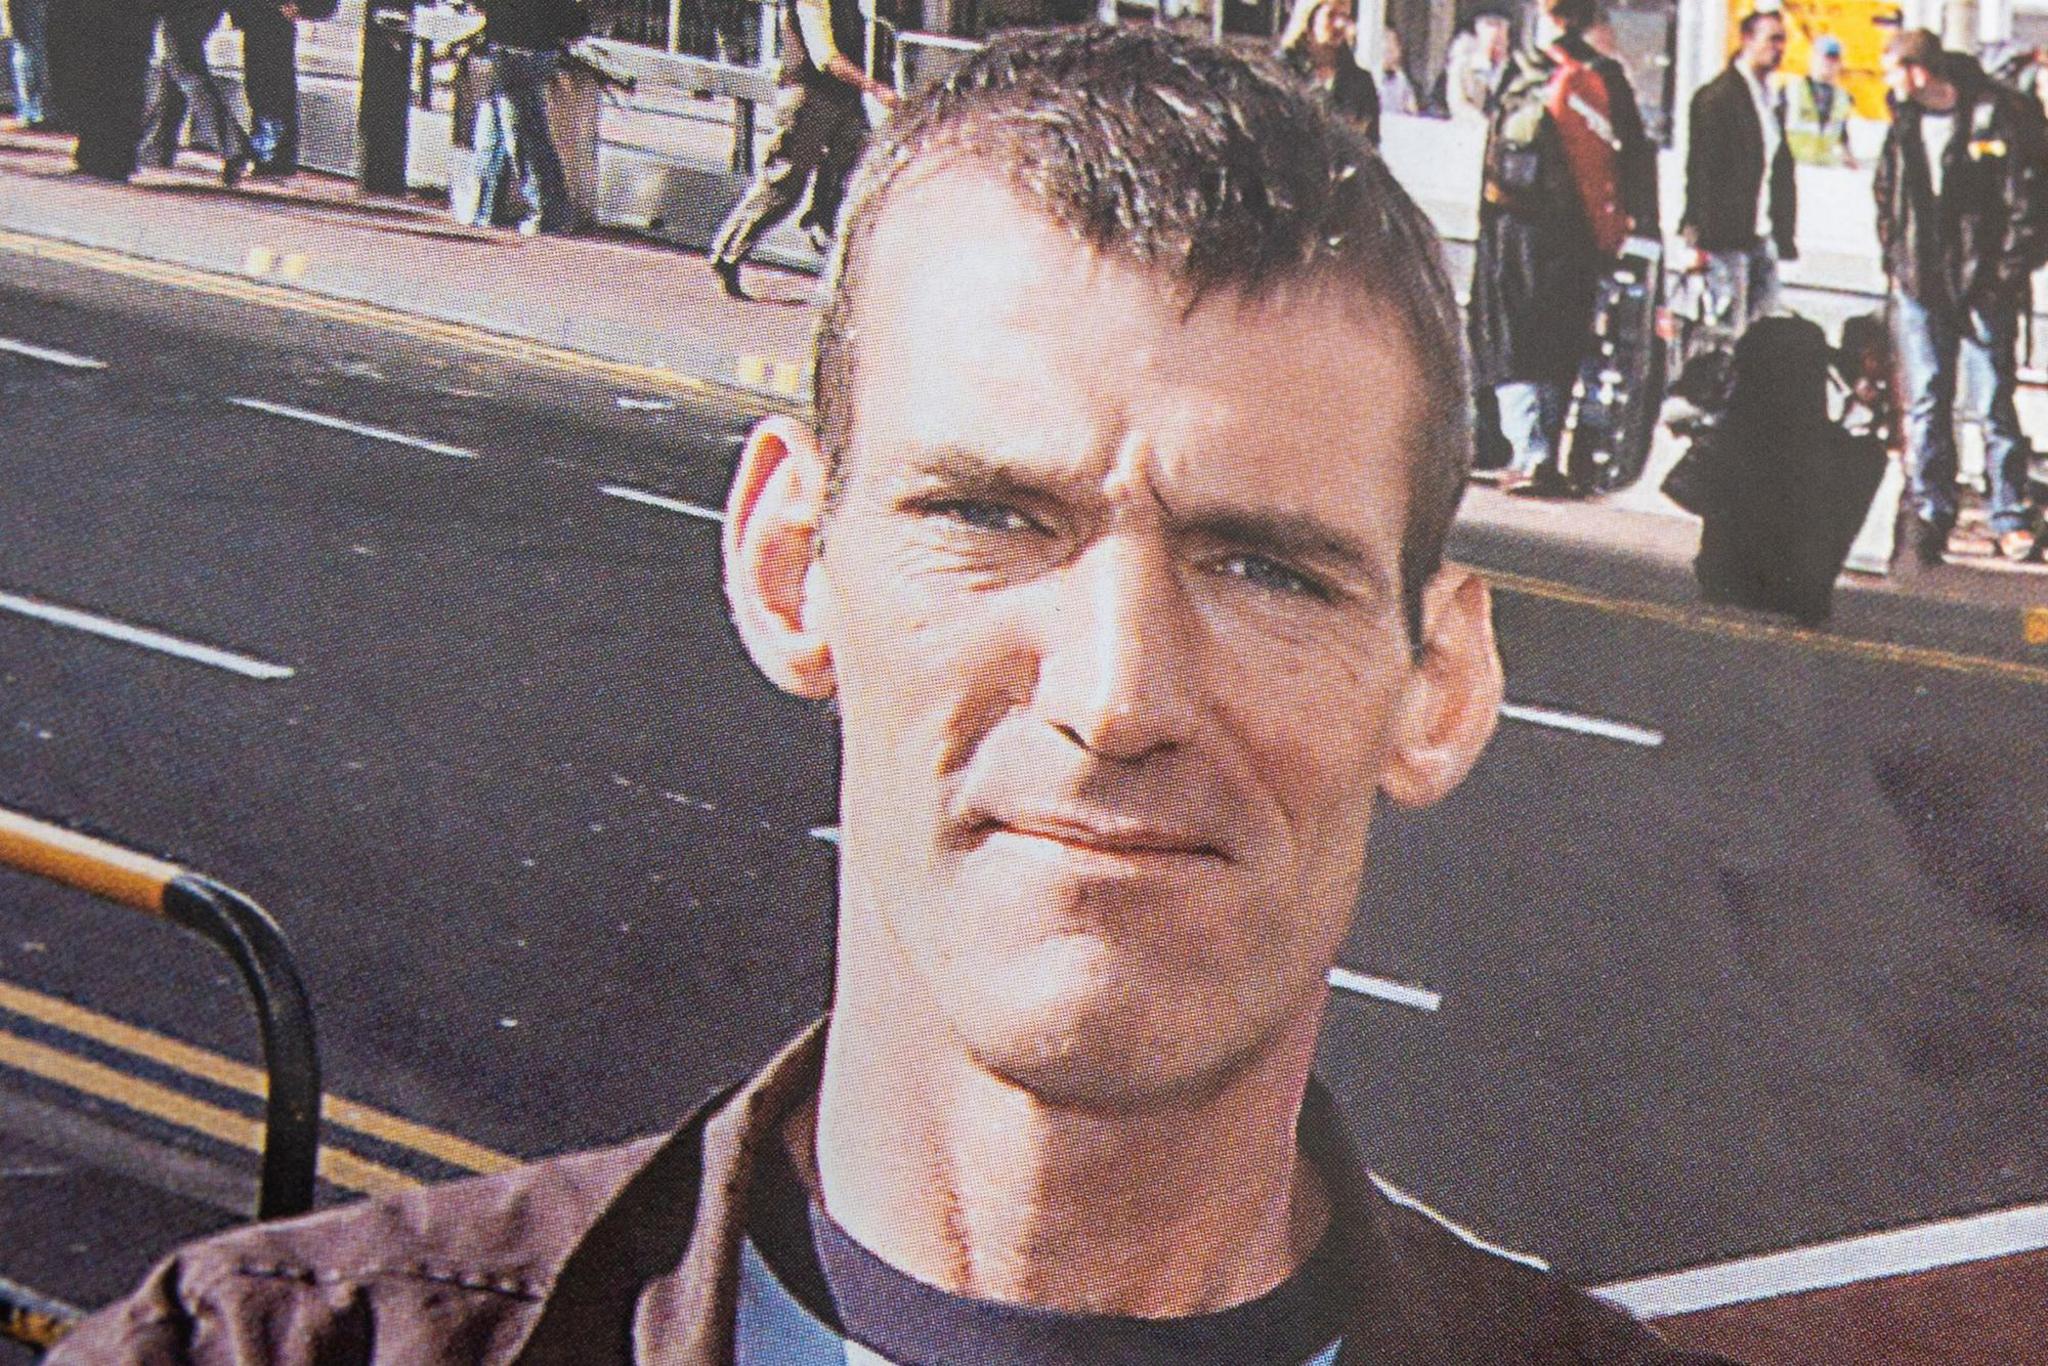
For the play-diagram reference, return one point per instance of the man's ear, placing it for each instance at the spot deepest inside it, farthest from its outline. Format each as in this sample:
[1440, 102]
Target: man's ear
[1451, 702]
[773, 518]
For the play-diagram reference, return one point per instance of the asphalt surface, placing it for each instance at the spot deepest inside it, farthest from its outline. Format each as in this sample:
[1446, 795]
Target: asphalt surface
[542, 839]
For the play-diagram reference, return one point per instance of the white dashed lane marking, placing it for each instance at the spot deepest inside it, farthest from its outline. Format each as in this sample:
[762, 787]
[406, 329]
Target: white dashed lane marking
[1386, 989]
[50, 355]
[655, 500]
[142, 636]
[342, 424]
[1582, 725]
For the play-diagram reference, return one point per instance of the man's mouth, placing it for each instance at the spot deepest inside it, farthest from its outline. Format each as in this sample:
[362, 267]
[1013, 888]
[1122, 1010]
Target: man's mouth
[1108, 835]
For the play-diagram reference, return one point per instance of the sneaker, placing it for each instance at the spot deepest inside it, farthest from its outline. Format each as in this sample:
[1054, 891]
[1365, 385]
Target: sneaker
[1930, 542]
[1514, 481]
[2020, 546]
[728, 273]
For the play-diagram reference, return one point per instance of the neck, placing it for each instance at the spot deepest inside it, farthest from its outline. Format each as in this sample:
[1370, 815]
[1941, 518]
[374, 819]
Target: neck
[1938, 99]
[969, 1183]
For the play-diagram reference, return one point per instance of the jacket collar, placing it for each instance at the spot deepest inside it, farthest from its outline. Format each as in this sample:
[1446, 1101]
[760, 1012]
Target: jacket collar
[656, 1279]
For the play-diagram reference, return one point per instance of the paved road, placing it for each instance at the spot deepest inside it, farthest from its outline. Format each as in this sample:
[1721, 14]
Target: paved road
[543, 841]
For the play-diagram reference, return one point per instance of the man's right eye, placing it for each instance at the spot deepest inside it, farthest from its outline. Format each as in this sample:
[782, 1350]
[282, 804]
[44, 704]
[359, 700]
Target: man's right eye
[981, 514]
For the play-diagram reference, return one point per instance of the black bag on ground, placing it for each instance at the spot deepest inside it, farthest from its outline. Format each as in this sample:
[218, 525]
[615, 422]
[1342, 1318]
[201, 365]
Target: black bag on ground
[1782, 489]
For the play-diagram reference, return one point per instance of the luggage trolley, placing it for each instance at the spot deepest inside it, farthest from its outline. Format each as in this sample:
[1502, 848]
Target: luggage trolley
[239, 928]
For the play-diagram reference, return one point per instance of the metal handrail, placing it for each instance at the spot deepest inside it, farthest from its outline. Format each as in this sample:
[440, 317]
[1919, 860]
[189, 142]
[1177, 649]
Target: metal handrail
[239, 928]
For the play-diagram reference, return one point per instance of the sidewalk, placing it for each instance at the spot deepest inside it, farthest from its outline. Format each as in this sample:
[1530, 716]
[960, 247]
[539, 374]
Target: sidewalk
[635, 302]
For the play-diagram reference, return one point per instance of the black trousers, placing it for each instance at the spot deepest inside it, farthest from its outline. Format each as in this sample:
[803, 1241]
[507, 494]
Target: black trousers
[270, 71]
[99, 61]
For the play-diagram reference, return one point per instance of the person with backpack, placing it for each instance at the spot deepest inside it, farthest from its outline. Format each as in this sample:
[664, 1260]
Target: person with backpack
[1962, 217]
[1569, 173]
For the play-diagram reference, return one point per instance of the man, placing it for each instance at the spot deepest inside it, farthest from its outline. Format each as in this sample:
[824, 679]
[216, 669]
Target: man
[99, 54]
[270, 77]
[1129, 621]
[1815, 109]
[1741, 203]
[823, 127]
[1473, 71]
[184, 75]
[1559, 193]
[27, 25]
[515, 158]
[1960, 217]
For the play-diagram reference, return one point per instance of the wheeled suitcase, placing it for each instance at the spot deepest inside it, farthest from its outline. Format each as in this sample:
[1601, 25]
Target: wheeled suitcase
[1620, 388]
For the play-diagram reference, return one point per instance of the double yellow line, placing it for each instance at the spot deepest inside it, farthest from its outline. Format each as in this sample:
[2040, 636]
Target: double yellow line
[338, 1166]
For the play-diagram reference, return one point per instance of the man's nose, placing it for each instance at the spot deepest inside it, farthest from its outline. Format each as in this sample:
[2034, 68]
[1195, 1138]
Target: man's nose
[1120, 675]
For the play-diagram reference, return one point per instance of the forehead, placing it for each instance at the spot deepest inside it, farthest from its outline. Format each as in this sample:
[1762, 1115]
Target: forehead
[983, 323]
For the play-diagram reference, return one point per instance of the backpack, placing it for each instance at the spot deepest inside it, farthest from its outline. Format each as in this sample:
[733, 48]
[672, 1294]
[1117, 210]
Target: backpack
[1572, 97]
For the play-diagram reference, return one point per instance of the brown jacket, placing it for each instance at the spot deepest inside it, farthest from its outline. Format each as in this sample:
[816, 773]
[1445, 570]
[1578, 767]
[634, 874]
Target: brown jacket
[630, 1255]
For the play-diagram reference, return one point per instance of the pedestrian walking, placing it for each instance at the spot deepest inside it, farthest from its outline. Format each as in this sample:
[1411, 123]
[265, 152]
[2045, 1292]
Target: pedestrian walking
[183, 78]
[28, 22]
[1559, 194]
[521, 48]
[270, 76]
[99, 54]
[1741, 201]
[1815, 109]
[1317, 47]
[822, 127]
[1962, 216]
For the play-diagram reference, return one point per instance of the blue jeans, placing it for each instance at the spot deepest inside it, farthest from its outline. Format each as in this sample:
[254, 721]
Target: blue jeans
[1934, 347]
[30, 21]
[512, 137]
[1532, 420]
[1742, 286]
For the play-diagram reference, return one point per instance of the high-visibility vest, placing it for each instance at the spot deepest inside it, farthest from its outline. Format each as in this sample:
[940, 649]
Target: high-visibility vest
[1814, 141]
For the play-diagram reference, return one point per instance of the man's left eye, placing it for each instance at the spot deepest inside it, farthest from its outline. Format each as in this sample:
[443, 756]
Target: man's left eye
[1274, 577]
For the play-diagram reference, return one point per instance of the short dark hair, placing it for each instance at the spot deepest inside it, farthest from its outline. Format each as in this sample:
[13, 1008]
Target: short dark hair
[1178, 156]
[1574, 15]
[1750, 22]
[1916, 47]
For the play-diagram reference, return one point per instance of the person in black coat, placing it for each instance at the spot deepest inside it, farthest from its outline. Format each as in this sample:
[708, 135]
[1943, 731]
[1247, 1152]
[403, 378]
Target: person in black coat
[1318, 48]
[1741, 221]
[1537, 265]
[99, 63]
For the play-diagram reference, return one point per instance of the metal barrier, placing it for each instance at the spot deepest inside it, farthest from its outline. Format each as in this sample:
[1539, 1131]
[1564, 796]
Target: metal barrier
[238, 927]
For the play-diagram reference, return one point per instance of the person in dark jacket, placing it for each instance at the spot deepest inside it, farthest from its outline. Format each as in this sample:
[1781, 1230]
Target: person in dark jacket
[1962, 216]
[183, 78]
[1741, 198]
[99, 53]
[1132, 607]
[1537, 264]
[1317, 47]
[822, 127]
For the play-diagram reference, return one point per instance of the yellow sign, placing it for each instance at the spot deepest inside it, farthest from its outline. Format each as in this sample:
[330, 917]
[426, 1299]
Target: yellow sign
[1852, 21]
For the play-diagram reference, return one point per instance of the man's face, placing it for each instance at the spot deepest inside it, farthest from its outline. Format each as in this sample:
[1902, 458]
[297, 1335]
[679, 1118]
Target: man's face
[1904, 80]
[1825, 67]
[1112, 600]
[1332, 25]
[1764, 48]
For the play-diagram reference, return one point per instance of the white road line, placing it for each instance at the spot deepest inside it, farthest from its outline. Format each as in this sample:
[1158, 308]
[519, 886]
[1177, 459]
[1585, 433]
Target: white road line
[342, 424]
[1582, 725]
[828, 833]
[138, 635]
[1845, 1261]
[655, 500]
[50, 355]
[1385, 989]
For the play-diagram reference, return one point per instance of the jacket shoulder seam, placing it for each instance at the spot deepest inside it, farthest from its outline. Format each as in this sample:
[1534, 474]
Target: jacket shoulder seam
[497, 1284]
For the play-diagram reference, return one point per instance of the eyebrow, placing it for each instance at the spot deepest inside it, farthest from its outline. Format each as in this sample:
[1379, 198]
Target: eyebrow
[1298, 537]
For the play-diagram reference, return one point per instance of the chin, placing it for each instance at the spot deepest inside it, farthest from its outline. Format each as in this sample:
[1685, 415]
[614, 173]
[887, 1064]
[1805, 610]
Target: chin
[1079, 1030]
